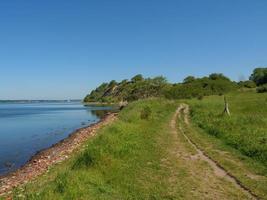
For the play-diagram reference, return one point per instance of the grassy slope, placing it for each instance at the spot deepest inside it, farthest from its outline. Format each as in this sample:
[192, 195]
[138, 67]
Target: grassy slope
[123, 162]
[238, 142]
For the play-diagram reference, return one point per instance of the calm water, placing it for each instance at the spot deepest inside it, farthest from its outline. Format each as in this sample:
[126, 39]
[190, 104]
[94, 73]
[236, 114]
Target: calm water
[28, 128]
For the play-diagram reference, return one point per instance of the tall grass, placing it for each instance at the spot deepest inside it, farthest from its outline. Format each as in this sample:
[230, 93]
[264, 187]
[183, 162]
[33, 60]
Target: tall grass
[246, 128]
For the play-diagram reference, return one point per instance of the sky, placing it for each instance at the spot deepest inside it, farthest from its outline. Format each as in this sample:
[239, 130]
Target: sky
[61, 49]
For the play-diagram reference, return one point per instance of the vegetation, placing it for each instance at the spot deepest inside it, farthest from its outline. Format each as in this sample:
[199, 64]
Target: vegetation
[247, 84]
[262, 88]
[122, 162]
[145, 112]
[137, 88]
[140, 156]
[141, 88]
[259, 76]
[250, 172]
[244, 131]
[199, 87]
[134, 158]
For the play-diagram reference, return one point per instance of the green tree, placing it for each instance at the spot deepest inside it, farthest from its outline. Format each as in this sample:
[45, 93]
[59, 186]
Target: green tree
[112, 83]
[262, 88]
[218, 76]
[137, 78]
[259, 76]
[189, 79]
[123, 82]
[102, 87]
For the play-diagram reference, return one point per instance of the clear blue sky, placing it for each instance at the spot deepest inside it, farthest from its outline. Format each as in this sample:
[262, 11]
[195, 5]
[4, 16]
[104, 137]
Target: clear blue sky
[57, 49]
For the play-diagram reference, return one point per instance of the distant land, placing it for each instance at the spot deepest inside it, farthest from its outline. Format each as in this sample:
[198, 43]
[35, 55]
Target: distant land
[40, 101]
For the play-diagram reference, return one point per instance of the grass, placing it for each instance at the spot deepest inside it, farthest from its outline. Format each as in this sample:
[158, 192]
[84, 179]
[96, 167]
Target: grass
[245, 130]
[137, 157]
[122, 162]
[237, 142]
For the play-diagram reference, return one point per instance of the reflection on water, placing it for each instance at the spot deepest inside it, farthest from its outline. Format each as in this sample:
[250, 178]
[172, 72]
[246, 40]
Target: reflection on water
[100, 113]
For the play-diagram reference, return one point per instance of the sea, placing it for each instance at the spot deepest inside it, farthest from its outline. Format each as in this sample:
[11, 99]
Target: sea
[26, 128]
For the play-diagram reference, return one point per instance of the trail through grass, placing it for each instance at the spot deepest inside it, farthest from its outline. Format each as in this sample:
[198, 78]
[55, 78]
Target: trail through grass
[122, 162]
[141, 156]
[236, 142]
[245, 130]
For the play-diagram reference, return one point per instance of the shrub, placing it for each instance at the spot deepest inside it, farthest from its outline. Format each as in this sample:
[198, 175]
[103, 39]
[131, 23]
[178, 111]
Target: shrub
[259, 76]
[200, 97]
[215, 84]
[145, 113]
[247, 84]
[141, 88]
[262, 89]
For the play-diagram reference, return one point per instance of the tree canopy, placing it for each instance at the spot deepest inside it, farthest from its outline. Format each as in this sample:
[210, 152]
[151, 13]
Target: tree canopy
[259, 76]
[137, 78]
[139, 88]
[189, 79]
[198, 87]
[218, 76]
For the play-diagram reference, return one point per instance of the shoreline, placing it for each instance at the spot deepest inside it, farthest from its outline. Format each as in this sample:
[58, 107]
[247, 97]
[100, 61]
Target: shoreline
[99, 103]
[40, 163]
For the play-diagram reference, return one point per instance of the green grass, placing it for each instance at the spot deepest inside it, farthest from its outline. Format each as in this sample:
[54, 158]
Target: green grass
[237, 142]
[246, 128]
[136, 158]
[122, 162]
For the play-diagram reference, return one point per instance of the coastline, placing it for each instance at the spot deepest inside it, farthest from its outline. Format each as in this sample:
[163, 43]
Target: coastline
[100, 104]
[42, 160]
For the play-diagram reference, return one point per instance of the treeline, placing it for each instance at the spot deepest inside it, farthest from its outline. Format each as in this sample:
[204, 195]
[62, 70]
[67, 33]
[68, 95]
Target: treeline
[198, 87]
[139, 87]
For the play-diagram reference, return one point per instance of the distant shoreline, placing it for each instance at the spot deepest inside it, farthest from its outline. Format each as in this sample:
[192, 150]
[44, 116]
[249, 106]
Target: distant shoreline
[41, 101]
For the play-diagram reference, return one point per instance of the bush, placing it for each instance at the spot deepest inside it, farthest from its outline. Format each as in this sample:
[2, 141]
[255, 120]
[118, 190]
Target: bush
[215, 84]
[142, 88]
[200, 97]
[137, 88]
[262, 88]
[259, 76]
[247, 84]
[145, 113]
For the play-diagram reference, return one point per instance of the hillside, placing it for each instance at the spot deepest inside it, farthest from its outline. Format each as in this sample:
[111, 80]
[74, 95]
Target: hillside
[141, 88]
[137, 88]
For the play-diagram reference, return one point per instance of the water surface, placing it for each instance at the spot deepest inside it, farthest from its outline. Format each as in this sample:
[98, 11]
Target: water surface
[28, 128]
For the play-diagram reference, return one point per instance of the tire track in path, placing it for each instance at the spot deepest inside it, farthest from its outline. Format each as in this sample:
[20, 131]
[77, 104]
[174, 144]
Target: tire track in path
[182, 113]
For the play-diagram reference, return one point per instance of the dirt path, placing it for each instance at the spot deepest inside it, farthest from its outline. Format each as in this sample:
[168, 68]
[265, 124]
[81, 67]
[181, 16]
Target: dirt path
[40, 163]
[207, 180]
[218, 170]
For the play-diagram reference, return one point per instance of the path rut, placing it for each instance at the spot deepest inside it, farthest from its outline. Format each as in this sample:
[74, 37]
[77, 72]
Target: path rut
[182, 113]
